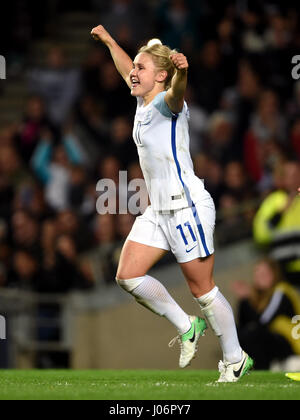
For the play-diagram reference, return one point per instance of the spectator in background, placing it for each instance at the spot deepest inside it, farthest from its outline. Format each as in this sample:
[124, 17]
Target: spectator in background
[232, 224]
[277, 224]
[207, 76]
[68, 223]
[278, 53]
[125, 37]
[91, 126]
[110, 91]
[57, 84]
[219, 141]
[25, 233]
[267, 132]
[268, 121]
[25, 273]
[176, 22]
[120, 141]
[78, 196]
[245, 94]
[12, 171]
[96, 57]
[253, 28]
[30, 197]
[197, 123]
[103, 255]
[48, 238]
[7, 133]
[131, 13]
[237, 206]
[229, 46]
[53, 166]
[212, 172]
[237, 184]
[35, 121]
[265, 312]
[61, 271]
[68, 272]
[61, 268]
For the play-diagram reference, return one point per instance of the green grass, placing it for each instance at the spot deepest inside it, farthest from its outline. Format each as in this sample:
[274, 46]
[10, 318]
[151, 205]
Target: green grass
[141, 385]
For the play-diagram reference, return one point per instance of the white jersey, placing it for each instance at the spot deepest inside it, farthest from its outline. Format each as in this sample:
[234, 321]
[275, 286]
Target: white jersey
[162, 140]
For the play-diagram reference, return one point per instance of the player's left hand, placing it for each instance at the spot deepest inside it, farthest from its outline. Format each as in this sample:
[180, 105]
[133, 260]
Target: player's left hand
[180, 61]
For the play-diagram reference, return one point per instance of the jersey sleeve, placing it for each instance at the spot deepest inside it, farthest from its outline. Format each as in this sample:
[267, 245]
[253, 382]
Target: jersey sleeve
[162, 106]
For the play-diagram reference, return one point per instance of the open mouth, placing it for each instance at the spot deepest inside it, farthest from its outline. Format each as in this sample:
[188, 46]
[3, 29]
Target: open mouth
[134, 82]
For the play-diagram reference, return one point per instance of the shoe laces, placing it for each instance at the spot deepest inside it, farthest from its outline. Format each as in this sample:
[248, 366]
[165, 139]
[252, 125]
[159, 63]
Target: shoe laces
[183, 349]
[173, 341]
[223, 368]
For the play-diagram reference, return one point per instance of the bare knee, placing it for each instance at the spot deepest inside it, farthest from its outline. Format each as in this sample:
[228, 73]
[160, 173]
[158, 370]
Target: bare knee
[199, 275]
[129, 284]
[201, 286]
[124, 274]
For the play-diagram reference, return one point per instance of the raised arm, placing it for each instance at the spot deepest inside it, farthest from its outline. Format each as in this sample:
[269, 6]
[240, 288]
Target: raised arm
[121, 59]
[175, 95]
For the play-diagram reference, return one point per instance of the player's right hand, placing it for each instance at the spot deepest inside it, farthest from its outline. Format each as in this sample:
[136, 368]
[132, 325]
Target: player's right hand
[99, 33]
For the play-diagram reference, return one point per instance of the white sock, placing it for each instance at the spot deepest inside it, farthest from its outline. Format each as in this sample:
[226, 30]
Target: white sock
[220, 316]
[150, 293]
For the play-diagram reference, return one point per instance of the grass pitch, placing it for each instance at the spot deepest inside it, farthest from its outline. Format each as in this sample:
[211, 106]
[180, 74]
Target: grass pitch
[142, 385]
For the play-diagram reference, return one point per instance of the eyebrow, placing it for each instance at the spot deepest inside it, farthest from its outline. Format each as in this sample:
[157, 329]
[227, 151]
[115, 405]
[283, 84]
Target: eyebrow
[138, 64]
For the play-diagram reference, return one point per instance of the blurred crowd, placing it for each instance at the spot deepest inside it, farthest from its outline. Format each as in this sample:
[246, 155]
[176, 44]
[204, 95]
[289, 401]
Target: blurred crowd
[77, 125]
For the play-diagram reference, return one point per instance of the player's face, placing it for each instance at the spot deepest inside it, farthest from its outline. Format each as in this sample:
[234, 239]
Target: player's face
[143, 75]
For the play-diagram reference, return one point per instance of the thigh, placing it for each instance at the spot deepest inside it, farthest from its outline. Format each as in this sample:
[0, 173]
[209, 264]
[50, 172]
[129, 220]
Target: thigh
[146, 230]
[199, 275]
[137, 259]
[190, 232]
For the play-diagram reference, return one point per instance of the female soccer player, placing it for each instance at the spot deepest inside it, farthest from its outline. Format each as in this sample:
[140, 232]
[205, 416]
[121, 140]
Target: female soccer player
[181, 216]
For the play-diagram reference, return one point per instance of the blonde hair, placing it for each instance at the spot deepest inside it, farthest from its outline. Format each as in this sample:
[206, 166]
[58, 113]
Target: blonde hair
[161, 57]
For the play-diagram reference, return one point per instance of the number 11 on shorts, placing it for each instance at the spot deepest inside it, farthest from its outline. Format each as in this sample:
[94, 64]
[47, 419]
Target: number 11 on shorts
[180, 228]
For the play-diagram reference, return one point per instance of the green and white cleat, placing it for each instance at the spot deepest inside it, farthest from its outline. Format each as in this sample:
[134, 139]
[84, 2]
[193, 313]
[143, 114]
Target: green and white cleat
[232, 372]
[188, 341]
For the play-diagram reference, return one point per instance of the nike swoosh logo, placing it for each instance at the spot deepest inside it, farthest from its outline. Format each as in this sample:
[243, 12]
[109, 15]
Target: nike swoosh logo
[194, 336]
[237, 373]
[190, 250]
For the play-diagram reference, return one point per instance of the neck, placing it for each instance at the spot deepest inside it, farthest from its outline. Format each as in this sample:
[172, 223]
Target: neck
[151, 95]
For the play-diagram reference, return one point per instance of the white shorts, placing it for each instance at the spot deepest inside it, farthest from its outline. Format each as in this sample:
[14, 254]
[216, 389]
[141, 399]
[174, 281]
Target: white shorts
[188, 232]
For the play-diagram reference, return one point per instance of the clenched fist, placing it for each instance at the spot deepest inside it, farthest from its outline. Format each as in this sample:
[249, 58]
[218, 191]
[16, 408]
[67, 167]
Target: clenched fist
[180, 61]
[99, 33]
